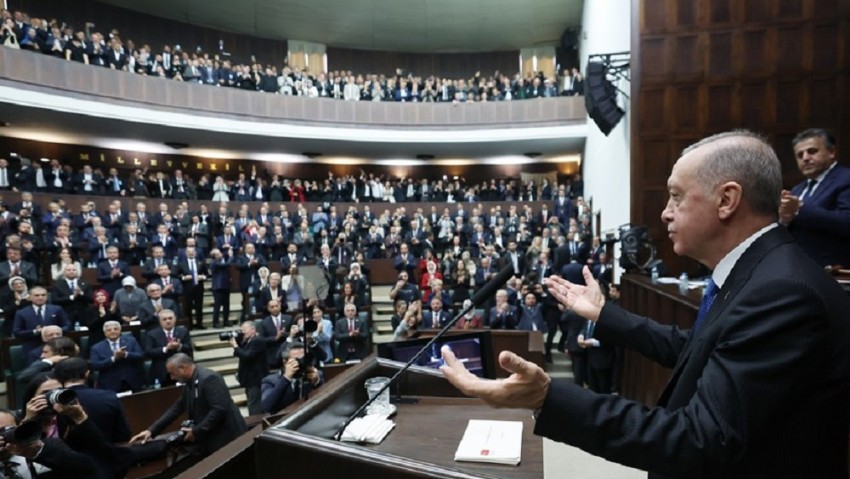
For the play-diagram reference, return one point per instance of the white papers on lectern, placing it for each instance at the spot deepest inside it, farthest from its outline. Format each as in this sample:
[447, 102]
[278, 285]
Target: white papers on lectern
[496, 442]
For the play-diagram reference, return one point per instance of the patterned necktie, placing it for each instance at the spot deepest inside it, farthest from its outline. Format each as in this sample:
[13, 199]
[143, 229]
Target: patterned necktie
[708, 296]
[809, 187]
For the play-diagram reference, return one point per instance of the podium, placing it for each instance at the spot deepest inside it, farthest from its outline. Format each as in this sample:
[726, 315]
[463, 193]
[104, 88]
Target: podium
[430, 422]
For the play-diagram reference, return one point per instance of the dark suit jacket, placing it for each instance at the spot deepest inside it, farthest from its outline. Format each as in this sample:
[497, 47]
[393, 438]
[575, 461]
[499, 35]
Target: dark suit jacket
[428, 319]
[26, 321]
[506, 320]
[759, 392]
[106, 411]
[267, 333]
[822, 226]
[27, 271]
[358, 343]
[61, 296]
[128, 369]
[599, 357]
[252, 362]
[104, 276]
[155, 341]
[147, 313]
[206, 400]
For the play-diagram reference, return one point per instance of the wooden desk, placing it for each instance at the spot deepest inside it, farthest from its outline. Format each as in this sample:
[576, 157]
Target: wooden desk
[642, 379]
[144, 408]
[430, 431]
[422, 445]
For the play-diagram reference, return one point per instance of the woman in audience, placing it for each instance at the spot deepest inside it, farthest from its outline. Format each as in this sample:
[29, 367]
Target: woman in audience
[426, 278]
[324, 333]
[348, 295]
[428, 257]
[470, 320]
[220, 190]
[97, 314]
[57, 269]
[11, 300]
[408, 325]
[461, 282]
[296, 192]
[293, 285]
[259, 283]
[437, 291]
[534, 250]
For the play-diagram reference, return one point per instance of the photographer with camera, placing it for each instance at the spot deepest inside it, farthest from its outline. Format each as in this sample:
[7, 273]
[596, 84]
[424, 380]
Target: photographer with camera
[251, 351]
[63, 421]
[214, 418]
[297, 379]
[23, 453]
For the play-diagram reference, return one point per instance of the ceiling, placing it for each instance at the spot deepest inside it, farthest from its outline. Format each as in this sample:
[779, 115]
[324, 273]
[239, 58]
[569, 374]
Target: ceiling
[433, 26]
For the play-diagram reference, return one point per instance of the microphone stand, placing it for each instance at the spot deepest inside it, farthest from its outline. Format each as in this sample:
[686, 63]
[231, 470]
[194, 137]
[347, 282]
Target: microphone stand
[446, 328]
[479, 297]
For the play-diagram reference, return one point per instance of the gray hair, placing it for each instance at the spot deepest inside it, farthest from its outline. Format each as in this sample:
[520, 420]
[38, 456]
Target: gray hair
[109, 324]
[180, 359]
[747, 159]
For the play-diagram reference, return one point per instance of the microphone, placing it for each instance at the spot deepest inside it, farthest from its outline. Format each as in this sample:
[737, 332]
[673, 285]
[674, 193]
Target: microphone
[477, 299]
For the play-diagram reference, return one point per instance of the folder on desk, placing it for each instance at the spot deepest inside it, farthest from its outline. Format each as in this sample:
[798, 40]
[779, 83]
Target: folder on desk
[495, 442]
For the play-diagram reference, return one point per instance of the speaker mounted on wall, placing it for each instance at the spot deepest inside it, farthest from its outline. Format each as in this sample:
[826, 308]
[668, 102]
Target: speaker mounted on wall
[600, 95]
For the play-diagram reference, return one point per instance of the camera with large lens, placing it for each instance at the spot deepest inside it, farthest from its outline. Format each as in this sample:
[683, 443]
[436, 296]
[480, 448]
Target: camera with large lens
[177, 438]
[64, 397]
[226, 335]
[27, 432]
[305, 362]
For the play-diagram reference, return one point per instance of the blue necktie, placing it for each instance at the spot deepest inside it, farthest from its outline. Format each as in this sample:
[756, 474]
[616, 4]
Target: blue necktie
[708, 296]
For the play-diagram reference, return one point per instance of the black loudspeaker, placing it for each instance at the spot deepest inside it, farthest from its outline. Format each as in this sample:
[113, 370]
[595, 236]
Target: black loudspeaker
[600, 98]
[569, 39]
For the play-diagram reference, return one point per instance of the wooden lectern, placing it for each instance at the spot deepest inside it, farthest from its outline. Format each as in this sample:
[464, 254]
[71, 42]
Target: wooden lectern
[430, 422]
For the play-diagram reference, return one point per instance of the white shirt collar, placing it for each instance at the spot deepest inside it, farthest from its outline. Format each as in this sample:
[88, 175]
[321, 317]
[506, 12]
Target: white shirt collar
[724, 267]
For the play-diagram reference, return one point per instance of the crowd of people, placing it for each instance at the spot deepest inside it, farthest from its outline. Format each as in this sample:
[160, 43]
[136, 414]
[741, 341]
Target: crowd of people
[51, 37]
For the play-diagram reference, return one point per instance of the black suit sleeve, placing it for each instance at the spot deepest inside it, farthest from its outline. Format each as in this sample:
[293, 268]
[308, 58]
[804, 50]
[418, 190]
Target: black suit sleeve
[58, 456]
[215, 392]
[776, 330]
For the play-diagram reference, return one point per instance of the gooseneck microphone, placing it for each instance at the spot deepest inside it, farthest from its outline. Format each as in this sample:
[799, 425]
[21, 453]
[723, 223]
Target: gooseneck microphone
[478, 298]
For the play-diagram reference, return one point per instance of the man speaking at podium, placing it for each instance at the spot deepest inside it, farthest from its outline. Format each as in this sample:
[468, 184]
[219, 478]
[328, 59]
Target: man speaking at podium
[759, 385]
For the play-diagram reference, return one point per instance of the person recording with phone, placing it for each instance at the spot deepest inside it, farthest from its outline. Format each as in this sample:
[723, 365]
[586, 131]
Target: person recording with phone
[297, 378]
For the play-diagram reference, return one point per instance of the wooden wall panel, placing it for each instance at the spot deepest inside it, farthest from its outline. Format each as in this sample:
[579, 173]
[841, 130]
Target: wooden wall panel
[773, 66]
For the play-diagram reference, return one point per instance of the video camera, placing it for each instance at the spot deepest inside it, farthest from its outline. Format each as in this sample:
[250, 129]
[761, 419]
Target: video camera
[177, 438]
[227, 335]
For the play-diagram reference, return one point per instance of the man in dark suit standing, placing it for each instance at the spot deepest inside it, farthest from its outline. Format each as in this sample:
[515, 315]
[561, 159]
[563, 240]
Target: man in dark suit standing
[273, 333]
[207, 402]
[72, 294]
[600, 359]
[118, 359]
[248, 264]
[436, 318]
[30, 320]
[759, 384]
[164, 342]
[193, 273]
[15, 266]
[251, 352]
[25, 177]
[221, 282]
[111, 271]
[351, 334]
[817, 211]
[101, 406]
